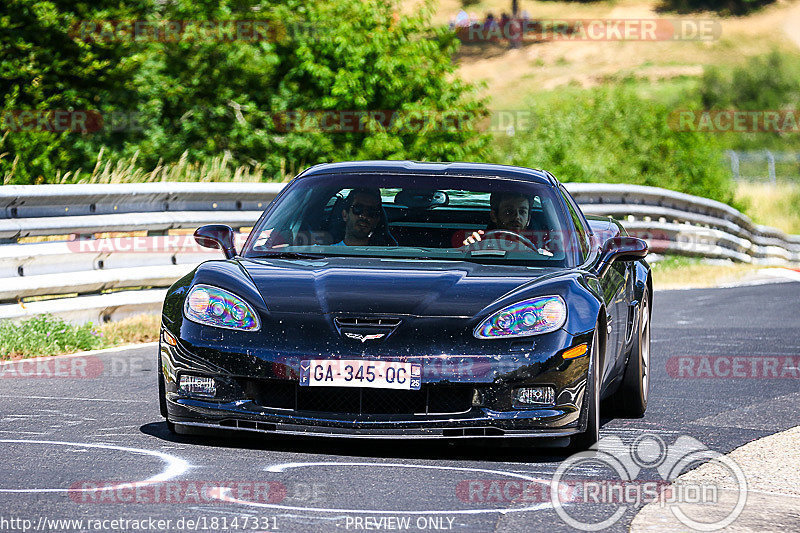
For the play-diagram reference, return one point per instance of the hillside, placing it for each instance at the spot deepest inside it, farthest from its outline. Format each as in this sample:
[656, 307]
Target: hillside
[511, 74]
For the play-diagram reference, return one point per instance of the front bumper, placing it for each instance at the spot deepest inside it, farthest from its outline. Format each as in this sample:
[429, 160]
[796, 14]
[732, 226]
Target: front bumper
[486, 408]
[475, 423]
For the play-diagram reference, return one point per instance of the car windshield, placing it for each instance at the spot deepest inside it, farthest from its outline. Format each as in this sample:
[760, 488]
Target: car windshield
[478, 219]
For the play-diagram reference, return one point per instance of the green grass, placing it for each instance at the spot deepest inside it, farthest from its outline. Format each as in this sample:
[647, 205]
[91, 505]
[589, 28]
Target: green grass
[130, 171]
[679, 272]
[772, 205]
[46, 335]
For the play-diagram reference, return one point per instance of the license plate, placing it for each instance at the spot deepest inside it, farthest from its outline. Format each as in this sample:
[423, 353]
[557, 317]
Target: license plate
[355, 373]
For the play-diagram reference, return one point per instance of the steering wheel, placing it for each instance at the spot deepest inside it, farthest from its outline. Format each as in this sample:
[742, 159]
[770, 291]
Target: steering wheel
[501, 233]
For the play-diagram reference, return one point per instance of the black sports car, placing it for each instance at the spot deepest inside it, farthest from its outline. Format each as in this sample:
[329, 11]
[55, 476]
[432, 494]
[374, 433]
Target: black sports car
[403, 299]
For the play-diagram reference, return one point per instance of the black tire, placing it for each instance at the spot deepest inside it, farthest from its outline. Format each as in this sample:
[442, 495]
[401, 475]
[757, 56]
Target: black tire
[630, 400]
[162, 395]
[589, 437]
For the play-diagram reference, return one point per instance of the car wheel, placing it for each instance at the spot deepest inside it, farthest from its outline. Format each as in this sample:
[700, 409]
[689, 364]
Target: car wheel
[162, 395]
[631, 398]
[592, 400]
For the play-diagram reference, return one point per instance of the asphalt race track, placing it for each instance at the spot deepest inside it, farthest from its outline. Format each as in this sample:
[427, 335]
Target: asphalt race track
[61, 437]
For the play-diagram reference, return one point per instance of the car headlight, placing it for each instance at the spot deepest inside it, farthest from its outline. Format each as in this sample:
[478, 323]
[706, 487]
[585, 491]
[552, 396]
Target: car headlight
[217, 307]
[529, 317]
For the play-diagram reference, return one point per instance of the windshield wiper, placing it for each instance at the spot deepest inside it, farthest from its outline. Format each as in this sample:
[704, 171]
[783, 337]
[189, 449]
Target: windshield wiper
[489, 252]
[288, 255]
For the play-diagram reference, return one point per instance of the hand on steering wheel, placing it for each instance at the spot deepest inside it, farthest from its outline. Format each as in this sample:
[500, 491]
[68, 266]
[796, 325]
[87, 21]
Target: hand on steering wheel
[498, 234]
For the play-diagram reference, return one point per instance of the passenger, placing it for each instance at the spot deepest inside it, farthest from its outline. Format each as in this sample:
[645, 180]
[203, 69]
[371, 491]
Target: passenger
[362, 215]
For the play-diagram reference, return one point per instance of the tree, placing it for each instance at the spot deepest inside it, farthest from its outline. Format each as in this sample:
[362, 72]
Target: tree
[267, 99]
[210, 88]
[46, 67]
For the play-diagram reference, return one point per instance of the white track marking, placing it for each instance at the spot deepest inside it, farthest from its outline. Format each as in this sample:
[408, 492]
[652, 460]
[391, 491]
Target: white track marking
[175, 466]
[223, 494]
[76, 399]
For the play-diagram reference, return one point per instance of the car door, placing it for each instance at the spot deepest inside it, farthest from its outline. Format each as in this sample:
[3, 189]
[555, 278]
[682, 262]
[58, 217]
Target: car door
[613, 286]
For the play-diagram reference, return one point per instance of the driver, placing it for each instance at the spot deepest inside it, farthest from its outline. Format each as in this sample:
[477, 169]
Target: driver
[508, 211]
[361, 215]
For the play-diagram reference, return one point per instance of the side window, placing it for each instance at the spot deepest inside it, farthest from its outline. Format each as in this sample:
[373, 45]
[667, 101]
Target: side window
[580, 227]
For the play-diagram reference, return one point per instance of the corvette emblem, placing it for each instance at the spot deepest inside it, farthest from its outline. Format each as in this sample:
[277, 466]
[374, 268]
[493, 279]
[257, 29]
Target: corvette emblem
[364, 338]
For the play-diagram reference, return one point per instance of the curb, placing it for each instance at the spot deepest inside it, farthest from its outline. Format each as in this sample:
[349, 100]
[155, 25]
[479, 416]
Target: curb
[762, 276]
[770, 468]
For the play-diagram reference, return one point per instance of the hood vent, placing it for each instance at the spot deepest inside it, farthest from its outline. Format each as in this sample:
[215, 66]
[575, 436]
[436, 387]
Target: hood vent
[366, 322]
[365, 329]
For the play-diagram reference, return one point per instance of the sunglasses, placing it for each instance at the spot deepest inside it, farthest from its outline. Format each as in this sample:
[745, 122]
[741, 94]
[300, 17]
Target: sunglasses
[371, 212]
[511, 212]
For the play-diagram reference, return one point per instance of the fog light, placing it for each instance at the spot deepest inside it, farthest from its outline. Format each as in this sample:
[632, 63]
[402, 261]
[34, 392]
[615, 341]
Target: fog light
[477, 398]
[198, 385]
[535, 396]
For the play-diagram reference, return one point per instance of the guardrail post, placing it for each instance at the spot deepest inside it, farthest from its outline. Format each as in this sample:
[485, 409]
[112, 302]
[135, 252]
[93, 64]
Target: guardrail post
[771, 166]
[734, 163]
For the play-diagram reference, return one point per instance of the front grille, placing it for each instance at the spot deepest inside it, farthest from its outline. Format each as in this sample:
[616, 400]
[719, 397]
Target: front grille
[330, 399]
[277, 394]
[430, 399]
[354, 329]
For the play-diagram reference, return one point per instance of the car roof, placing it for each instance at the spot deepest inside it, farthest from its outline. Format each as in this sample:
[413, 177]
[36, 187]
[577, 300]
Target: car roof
[486, 170]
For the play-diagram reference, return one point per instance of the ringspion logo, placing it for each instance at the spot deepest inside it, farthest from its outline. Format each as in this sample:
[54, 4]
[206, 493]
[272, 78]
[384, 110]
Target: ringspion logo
[620, 482]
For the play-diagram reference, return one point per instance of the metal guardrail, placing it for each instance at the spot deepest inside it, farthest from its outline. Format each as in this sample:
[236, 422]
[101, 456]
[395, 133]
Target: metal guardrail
[686, 224]
[97, 277]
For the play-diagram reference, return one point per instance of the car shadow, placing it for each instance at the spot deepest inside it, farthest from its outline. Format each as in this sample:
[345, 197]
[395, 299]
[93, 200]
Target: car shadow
[484, 450]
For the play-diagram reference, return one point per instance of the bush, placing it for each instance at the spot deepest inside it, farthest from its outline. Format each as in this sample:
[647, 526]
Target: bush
[613, 135]
[769, 82]
[765, 82]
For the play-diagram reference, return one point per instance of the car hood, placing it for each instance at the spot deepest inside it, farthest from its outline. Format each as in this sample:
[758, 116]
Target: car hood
[370, 286]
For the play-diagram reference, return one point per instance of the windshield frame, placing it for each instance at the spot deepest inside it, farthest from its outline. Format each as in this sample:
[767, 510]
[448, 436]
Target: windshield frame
[376, 179]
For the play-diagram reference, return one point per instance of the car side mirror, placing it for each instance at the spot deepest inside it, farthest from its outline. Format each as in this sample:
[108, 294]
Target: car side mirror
[621, 248]
[216, 236]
